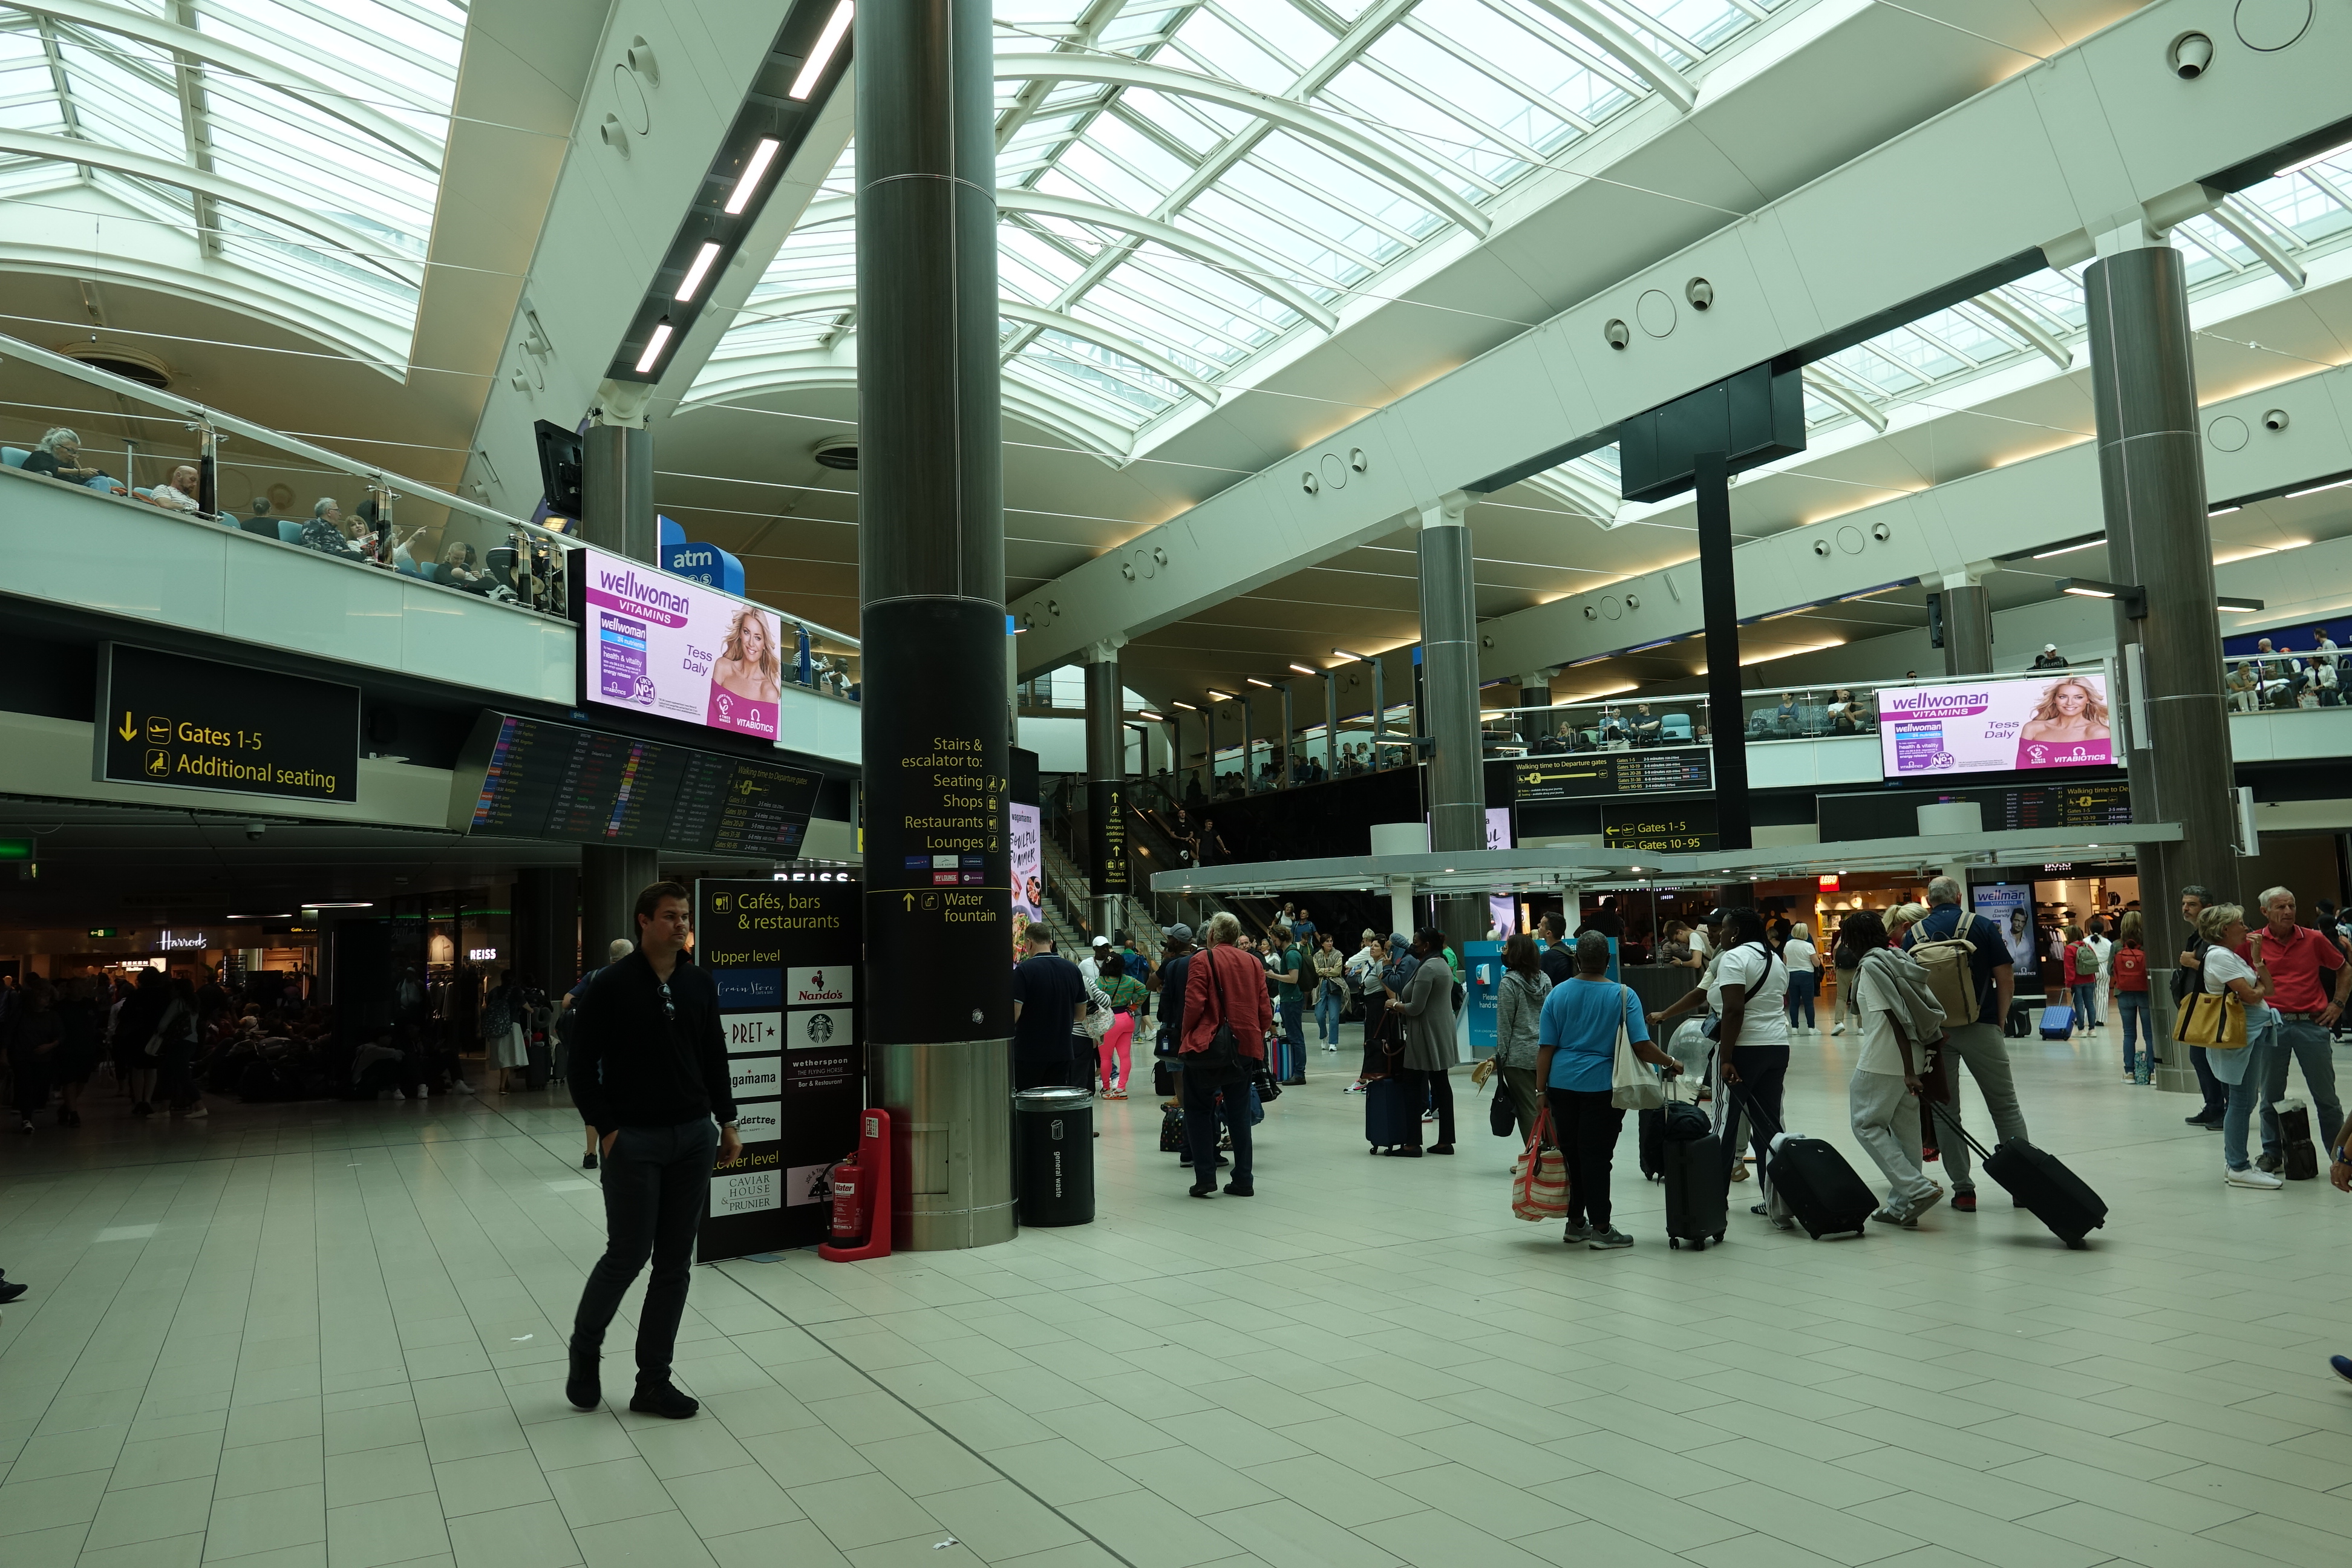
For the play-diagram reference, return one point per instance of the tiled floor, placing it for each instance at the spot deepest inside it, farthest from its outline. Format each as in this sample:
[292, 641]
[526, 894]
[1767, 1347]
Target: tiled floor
[324, 1334]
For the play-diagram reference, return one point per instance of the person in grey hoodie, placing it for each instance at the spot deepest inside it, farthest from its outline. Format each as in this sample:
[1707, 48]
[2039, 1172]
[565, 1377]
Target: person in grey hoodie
[1518, 1002]
[1427, 1003]
[1901, 1024]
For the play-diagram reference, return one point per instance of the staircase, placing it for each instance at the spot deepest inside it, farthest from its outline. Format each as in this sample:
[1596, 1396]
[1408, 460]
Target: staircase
[1070, 890]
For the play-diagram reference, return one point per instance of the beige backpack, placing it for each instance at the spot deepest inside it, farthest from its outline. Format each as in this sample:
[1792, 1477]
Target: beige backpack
[1951, 976]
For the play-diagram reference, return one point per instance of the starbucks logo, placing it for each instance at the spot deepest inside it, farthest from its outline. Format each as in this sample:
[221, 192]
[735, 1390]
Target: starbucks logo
[820, 1028]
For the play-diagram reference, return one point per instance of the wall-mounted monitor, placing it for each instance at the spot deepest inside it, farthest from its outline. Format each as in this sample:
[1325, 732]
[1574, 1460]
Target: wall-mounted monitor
[2053, 719]
[655, 643]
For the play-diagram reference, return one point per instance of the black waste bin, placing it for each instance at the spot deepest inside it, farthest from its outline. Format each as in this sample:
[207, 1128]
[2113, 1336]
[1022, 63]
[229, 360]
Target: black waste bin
[1056, 1127]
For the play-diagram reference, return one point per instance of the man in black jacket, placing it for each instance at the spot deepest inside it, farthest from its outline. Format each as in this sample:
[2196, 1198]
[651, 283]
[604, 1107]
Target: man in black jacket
[649, 1073]
[2187, 978]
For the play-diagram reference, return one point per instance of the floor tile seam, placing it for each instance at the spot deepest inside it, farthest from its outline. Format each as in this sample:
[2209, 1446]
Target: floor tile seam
[925, 1417]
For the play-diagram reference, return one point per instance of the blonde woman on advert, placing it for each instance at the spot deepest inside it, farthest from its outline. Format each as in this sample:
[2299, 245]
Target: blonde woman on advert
[2069, 714]
[747, 665]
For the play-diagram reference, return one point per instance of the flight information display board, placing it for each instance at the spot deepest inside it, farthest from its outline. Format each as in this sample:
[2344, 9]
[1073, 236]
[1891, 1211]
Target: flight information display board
[528, 778]
[1894, 813]
[1581, 775]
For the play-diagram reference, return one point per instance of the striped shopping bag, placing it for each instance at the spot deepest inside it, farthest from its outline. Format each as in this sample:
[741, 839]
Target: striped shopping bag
[1540, 1187]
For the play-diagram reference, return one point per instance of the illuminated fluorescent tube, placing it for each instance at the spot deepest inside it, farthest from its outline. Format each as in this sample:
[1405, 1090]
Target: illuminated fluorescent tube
[698, 269]
[836, 26]
[762, 157]
[654, 346]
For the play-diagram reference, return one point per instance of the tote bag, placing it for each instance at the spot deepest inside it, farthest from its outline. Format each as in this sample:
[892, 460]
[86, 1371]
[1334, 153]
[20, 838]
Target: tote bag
[1540, 1187]
[2216, 1021]
[1633, 1084]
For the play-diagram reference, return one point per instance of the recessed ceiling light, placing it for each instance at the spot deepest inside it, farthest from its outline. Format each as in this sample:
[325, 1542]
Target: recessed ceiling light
[654, 346]
[1253, 681]
[341, 904]
[836, 26]
[698, 269]
[2315, 489]
[2070, 548]
[762, 157]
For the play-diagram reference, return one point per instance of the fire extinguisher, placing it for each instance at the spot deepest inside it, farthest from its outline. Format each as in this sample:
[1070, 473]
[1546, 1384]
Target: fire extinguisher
[849, 1200]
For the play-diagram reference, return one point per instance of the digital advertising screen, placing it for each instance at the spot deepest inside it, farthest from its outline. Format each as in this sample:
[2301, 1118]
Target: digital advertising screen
[665, 645]
[1028, 866]
[2054, 719]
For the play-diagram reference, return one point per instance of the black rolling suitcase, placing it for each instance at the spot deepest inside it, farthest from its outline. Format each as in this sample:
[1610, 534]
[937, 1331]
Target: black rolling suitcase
[2019, 1025]
[2042, 1186]
[1391, 1116]
[1650, 1130]
[1814, 1182]
[1699, 1184]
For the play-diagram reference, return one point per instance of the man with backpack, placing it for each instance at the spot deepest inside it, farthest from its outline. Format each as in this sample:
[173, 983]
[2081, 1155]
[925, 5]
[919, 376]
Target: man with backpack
[1968, 964]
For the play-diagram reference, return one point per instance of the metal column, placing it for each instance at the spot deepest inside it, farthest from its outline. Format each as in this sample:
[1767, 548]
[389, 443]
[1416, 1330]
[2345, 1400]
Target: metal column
[1719, 591]
[2152, 481]
[616, 513]
[1106, 793]
[1968, 625]
[1249, 745]
[1331, 723]
[1289, 733]
[931, 579]
[1449, 682]
[1534, 691]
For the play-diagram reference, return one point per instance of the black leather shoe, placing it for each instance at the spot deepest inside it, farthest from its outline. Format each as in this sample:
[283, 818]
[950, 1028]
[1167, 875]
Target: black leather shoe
[662, 1398]
[583, 1387]
[1240, 1189]
[1204, 1189]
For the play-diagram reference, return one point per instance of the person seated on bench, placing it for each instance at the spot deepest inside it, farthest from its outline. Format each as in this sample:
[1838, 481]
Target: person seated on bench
[60, 457]
[179, 494]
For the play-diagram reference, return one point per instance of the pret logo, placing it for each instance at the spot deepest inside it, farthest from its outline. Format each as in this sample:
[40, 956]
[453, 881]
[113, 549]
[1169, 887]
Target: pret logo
[752, 1031]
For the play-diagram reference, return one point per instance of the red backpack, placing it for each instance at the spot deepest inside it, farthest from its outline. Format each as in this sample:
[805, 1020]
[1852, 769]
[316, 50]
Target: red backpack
[2131, 968]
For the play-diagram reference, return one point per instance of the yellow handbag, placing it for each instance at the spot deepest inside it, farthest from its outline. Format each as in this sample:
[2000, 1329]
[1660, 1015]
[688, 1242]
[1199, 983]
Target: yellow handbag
[2216, 1022]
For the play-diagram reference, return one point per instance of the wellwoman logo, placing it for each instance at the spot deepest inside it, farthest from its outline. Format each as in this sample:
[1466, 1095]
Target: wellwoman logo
[625, 585]
[1929, 703]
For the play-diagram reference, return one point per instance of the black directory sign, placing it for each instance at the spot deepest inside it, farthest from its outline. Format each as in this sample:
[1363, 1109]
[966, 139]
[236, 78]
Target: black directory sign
[528, 778]
[783, 955]
[193, 723]
[938, 858]
[1662, 827]
[1580, 775]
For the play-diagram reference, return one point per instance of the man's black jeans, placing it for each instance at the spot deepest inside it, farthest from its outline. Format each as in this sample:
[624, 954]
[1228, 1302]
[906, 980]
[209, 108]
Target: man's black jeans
[656, 1180]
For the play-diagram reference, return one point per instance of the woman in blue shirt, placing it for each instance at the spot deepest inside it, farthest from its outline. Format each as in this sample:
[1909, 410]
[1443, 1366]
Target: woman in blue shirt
[1576, 1055]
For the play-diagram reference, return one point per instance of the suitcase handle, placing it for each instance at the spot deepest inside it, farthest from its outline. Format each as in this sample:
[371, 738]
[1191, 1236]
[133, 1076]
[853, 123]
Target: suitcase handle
[1953, 1119]
[1739, 1092]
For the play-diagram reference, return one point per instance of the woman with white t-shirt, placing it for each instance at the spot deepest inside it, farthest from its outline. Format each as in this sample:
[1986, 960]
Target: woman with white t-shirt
[1748, 995]
[1804, 963]
[2244, 1070]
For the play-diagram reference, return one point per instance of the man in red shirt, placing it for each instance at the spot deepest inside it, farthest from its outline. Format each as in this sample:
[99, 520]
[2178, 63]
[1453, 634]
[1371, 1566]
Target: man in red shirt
[2309, 980]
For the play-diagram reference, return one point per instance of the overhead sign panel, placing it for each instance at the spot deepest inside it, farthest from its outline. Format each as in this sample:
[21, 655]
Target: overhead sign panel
[1675, 827]
[1580, 775]
[2053, 720]
[194, 723]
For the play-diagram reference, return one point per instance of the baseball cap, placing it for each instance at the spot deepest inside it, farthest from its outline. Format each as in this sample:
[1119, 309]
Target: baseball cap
[1101, 941]
[2050, 647]
[1180, 932]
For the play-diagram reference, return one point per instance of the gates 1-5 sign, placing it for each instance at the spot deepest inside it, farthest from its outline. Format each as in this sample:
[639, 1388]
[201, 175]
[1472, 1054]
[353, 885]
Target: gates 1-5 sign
[194, 723]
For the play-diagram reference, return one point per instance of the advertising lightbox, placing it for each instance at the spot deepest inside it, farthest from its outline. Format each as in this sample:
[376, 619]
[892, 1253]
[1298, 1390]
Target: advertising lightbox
[2053, 720]
[668, 646]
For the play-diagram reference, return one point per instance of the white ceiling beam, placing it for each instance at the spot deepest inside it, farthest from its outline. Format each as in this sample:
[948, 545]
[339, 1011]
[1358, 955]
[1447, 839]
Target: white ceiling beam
[2235, 218]
[836, 301]
[362, 249]
[2000, 307]
[1861, 408]
[211, 49]
[1425, 185]
[792, 370]
[1183, 242]
[1624, 47]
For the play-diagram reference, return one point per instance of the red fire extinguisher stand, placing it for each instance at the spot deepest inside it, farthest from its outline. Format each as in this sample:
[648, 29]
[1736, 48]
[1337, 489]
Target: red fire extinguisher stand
[861, 1195]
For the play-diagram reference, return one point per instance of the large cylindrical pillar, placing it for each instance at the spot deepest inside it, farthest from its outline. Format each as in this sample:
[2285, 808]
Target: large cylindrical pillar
[1449, 694]
[1105, 795]
[616, 513]
[2152, 482]
[1967, 627]
[1726, 712]
[931, 585]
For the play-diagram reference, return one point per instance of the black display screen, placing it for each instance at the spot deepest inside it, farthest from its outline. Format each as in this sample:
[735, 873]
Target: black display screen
[1895, 814]
[1578, 776]
[528, 778]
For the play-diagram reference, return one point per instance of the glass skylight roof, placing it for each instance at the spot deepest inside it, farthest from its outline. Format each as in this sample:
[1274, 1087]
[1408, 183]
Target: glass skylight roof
[1250, 230]
[297, 140]
[2299, 216]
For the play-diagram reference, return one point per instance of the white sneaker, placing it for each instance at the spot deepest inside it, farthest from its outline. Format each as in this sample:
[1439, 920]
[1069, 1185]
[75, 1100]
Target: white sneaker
[2251, 1178]
[462, 1086]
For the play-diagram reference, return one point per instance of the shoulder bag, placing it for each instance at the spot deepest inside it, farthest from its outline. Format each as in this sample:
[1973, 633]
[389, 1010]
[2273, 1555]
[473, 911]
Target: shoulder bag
[1633, 1084]
[2215, 1020]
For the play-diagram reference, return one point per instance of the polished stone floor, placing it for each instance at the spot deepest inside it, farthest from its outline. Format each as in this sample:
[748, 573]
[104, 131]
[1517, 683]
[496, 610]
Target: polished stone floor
[332, 1334]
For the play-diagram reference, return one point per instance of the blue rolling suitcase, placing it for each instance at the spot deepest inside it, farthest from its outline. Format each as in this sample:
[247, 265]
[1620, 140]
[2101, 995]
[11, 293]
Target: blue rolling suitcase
[2058, 1023]
[1391, 1115]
